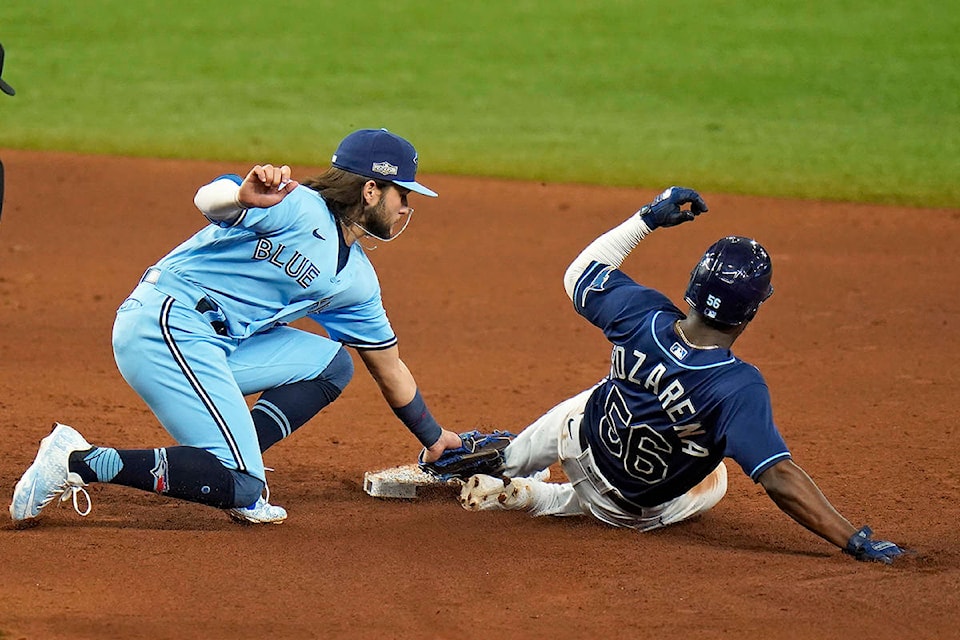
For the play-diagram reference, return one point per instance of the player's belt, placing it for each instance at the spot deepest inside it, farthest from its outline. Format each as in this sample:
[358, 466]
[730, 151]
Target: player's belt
[612, 493]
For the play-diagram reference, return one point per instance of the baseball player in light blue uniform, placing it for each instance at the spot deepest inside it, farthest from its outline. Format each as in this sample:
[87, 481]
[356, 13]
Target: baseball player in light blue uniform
[644, 447]
[208, 325]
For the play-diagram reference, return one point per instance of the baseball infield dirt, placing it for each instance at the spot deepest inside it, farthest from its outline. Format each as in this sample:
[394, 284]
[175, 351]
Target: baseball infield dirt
[858, 345]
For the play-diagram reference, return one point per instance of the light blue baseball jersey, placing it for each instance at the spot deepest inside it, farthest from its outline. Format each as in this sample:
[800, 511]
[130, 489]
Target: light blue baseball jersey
[276, 265]
[668, 413]
[206, 326]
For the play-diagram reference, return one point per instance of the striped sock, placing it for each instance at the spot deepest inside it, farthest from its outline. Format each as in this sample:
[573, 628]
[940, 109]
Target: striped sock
[282, 410]
[271, 423]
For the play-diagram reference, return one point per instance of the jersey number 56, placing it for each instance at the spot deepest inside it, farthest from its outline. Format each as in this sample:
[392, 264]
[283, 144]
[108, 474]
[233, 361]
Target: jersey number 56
[638, 446]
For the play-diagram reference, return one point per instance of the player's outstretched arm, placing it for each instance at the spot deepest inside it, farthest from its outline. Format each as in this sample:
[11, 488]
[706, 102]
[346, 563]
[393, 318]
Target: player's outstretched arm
[666, 210]
[796, 494]
[399, 389]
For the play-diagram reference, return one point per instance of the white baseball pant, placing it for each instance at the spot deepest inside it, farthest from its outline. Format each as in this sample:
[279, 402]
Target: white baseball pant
[555, 437]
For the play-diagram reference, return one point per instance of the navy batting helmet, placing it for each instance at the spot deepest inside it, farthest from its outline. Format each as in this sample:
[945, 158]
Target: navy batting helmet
[730, 281]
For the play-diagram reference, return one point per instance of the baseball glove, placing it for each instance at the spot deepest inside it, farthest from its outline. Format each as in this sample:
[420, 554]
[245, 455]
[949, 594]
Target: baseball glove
[480, 453]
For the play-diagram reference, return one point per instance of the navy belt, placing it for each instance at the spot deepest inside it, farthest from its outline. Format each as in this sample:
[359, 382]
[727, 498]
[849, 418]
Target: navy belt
[614, 495]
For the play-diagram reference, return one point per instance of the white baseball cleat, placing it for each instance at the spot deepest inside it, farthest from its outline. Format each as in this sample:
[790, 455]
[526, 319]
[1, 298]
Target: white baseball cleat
[49, 476]
[486, 493]
[260, 512]
[481, 493]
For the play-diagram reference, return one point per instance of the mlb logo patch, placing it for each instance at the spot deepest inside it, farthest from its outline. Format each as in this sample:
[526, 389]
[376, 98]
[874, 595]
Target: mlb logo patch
[384, 168]
[678, 350]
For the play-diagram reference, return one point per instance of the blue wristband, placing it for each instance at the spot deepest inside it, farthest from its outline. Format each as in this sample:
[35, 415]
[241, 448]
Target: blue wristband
[418, 419]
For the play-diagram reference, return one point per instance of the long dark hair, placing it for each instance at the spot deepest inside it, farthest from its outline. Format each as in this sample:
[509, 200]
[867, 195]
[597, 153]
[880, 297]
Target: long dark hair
[342, 191]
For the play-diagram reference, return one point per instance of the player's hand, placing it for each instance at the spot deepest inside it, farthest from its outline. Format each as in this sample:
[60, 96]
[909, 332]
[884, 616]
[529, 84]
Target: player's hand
[265, 186]
[862, 547]
[666, 210]
[448, 440]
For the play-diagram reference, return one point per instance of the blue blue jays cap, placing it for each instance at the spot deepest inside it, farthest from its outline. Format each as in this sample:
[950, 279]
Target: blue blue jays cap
[380, 155]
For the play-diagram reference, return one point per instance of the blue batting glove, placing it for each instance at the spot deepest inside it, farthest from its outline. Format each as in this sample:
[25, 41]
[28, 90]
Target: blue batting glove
[665, 210]
[863, 548]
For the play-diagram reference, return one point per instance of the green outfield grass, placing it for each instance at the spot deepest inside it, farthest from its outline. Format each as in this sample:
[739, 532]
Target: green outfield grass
[836, 99]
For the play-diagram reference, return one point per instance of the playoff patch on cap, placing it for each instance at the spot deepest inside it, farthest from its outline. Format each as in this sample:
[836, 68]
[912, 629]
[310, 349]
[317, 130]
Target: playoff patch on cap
[385, 168]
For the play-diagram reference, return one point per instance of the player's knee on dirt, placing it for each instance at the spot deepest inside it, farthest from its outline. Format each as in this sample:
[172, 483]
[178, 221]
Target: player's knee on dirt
[199, 476]
[246, 489]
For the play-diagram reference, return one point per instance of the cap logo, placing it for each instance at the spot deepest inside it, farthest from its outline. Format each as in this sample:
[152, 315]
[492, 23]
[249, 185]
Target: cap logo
[384, 168]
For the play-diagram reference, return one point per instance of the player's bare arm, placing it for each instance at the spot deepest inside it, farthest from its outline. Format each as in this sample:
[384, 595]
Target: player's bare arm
[399, 389]
[798, 496]
[392, 376]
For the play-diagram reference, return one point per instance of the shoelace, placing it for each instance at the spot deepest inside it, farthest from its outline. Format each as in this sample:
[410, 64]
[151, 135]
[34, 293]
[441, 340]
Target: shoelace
[266, 487]
[70, 491]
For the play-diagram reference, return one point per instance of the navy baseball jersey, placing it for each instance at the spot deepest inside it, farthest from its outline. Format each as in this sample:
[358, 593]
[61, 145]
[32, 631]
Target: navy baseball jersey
[669, 412]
